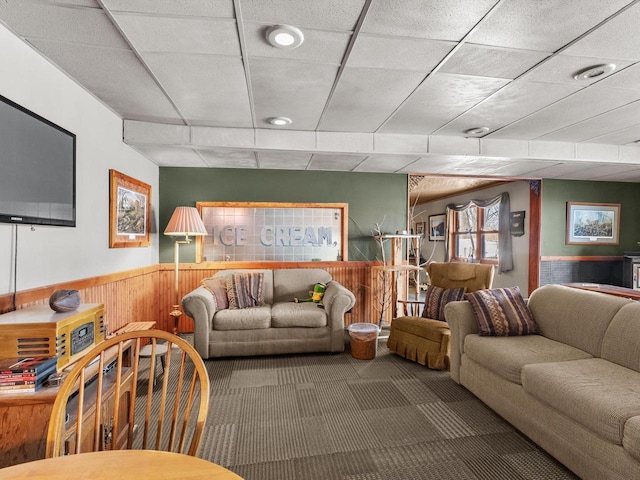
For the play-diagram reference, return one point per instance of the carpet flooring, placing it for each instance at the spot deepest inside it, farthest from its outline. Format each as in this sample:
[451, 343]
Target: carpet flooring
[330, 416]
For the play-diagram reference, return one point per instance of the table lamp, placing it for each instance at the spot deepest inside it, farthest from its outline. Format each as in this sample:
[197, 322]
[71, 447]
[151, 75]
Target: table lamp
[185, 221]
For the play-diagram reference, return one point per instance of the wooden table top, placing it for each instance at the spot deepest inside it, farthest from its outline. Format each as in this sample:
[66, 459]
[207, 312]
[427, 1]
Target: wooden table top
[120, 464]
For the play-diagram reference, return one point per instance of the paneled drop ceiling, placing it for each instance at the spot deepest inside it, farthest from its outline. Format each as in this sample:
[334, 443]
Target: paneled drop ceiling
[377, 85]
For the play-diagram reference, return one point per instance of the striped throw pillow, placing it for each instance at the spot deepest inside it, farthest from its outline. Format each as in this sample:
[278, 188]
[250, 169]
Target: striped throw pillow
[245, 290]
[502, 312]
[436, 298]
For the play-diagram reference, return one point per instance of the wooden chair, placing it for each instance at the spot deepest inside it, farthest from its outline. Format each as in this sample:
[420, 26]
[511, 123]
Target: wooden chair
[109, 399]
[427, 340]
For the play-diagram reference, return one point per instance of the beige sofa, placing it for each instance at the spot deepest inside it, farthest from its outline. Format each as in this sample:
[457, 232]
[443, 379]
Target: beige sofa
[279, 326]
[575, 389]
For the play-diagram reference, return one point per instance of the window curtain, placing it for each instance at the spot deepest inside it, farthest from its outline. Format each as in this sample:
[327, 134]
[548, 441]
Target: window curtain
[505, 254]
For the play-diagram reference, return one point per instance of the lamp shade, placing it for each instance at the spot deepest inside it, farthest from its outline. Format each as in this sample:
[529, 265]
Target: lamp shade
[185, 221]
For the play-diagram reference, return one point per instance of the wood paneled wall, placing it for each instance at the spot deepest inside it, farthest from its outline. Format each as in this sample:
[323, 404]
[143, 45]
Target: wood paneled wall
[147, 294]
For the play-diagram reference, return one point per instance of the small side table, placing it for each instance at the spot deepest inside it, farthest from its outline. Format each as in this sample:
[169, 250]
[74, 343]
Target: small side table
[161, 351]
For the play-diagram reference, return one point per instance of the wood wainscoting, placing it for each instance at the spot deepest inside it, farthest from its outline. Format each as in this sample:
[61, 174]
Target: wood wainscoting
[146, 294]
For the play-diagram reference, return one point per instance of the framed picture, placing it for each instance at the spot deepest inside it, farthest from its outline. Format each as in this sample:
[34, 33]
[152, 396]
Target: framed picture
[436, 227]
[129, 211]
[419, 228]
[593, 223]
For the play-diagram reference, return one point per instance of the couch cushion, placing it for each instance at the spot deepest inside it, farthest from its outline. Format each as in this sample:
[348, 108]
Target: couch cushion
[243, 318]
[291, 314]
[596, 393]
[502, 312]
[245, 290]
[290, 283]
[621, 342]
[576, 317]
[505, 356]
[631, 437]
[421, 327]
[436, 298]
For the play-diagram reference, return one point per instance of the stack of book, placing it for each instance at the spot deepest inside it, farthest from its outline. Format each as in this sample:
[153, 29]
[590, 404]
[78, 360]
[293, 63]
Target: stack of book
[25, 375]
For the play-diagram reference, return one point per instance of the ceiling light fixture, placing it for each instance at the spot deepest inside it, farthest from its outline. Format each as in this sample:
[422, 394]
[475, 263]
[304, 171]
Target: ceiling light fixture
[474, 132]
[595, 71]
[285, 36]
[279, 121]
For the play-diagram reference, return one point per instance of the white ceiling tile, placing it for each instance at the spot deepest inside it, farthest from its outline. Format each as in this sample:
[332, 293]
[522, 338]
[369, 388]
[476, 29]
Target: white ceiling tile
[43, 21]
[487, 61]
[318, 46]
[562, 68]
[285, 139]
[208, 90]
[385, 163]
[586, 103]
[335, 162]
[425, 18]
[325, 14]
[283, 160]
[365, 97]
[558, 170]
[398, 53]
[627, 78]
[167, 156]
[441, 98]
[180, 35]
[118, 79]
[218, 158]
[345, 141]
[612, 39]
[450, 145]
[508, 105]
[521, 167]
[495, 147]
[593, 172]
[620, 137]
[195, 8]
[546, 26]
[626, 174]
[436, 164]
[285, 88]
[600, 125]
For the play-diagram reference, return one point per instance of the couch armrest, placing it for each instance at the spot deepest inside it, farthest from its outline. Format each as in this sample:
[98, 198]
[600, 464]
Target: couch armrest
[462, 322]
[337, 301]
[200, 304]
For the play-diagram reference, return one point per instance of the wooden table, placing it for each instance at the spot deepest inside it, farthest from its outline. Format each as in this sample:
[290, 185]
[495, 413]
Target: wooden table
[120, 464]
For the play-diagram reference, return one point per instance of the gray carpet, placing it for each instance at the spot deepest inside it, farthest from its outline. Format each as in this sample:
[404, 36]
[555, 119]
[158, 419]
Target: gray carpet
[330, 416]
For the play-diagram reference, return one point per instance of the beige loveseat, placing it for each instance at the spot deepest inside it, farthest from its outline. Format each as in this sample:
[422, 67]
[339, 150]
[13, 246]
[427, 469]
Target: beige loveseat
[280, 325]
[575, 389]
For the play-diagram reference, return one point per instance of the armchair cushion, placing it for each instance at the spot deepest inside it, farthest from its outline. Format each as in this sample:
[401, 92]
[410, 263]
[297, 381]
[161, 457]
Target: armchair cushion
[502, 312]
[436, 298]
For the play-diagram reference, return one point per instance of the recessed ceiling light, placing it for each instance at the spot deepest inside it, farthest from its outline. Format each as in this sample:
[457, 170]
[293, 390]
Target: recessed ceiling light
[280, 121]
[595, 72]
[477, 131]
[285, 36]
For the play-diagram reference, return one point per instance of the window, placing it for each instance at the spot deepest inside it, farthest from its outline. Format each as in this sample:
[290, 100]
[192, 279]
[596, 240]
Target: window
[474, 237]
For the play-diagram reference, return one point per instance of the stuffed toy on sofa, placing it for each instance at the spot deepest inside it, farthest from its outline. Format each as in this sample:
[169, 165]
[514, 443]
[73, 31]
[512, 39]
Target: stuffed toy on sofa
[315, 296]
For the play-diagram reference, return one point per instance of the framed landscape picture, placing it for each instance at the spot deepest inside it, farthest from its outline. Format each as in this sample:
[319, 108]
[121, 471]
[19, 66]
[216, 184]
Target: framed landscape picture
[436, 227]
[593, 223]
[129, 211]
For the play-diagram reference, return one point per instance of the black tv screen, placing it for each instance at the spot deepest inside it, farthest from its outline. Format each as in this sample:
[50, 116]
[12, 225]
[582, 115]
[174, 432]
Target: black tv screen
[37, 169]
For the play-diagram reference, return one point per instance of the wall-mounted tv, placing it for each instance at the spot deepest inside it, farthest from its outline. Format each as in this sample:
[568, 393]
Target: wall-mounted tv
[37, 169]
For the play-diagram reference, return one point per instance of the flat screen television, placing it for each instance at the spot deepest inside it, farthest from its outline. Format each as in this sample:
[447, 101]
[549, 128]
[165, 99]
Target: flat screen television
[37, 169]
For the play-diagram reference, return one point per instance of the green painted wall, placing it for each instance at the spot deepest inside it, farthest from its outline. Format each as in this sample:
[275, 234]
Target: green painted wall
[372, 198]
[556, 194]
